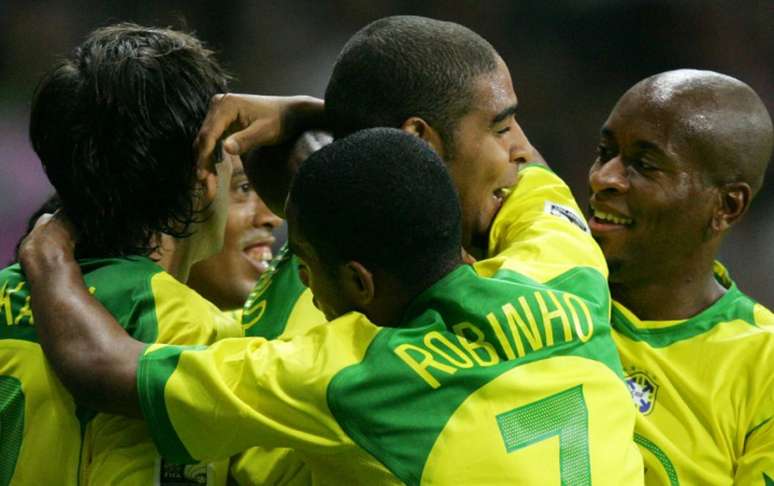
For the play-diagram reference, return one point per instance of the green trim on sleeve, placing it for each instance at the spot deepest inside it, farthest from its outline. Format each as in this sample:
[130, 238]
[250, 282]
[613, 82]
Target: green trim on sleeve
[153, 371]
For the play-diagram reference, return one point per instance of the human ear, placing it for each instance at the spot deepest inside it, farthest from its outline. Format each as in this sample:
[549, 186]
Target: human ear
[735, 199]
[420, 128]
[358, 284]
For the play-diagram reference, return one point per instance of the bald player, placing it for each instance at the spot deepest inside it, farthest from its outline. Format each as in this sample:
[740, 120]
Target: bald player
[681, 157]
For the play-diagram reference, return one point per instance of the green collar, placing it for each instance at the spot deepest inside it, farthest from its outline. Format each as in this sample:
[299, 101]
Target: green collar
[733, 305]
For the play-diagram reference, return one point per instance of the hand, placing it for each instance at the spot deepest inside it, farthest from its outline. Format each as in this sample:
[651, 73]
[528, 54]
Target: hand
[256, 120]
[50, 243]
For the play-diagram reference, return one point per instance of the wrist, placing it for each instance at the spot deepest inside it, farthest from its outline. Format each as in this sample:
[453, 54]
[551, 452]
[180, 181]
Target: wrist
[45, 263]
[305, 113]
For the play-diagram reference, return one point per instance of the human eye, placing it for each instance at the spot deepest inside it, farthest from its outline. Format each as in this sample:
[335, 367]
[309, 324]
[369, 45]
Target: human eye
[240, 189]
[604, 152]
[644, 166]
[505, 125]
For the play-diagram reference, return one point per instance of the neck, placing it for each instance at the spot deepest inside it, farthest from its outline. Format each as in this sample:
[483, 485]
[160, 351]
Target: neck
[175, 256]
[390, 311]
[671, 294]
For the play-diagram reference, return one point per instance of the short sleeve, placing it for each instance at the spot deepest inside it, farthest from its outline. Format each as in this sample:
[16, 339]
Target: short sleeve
[210, 403]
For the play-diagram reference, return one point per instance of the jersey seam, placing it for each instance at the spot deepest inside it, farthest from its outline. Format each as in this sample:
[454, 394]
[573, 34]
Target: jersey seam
[358, 438]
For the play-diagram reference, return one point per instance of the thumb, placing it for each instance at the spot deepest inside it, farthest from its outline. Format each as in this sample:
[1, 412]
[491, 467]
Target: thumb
[260, 132]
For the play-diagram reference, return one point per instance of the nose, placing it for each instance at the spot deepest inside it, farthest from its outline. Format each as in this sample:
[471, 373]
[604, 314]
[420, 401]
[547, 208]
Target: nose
[521, 150]
[263, 217]
[608, 176]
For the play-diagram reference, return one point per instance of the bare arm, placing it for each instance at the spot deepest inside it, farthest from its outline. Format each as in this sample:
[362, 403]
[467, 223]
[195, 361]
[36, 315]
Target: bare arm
[89, 351]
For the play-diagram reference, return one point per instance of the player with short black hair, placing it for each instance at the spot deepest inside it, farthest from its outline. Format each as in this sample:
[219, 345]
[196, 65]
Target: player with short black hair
[681, 157]
[453, 91]
[414, 238]
[403, 66]
[113, 125]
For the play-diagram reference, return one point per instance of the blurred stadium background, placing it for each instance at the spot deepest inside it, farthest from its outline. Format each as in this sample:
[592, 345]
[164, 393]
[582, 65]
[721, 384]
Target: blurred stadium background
[570, 61]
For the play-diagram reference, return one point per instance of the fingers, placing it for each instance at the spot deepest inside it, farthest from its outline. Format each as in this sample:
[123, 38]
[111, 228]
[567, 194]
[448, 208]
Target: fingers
[219, 117]
[52, 239]
[259, 132]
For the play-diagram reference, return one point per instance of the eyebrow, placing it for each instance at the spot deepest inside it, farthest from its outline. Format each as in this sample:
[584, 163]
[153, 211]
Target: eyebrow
[238, 172]
[502, 115]
[648, 146]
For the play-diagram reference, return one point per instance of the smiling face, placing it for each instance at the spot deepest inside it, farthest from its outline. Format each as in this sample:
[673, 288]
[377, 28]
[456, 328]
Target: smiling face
[488, 144]
[652, 201]
[227, 277]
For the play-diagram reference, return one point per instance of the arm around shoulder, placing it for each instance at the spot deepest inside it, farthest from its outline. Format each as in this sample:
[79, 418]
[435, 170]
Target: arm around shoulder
[89, 351]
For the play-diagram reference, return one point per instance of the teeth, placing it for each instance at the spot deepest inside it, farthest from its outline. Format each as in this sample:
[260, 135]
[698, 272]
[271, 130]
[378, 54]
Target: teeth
[260, 253]
[609, 217]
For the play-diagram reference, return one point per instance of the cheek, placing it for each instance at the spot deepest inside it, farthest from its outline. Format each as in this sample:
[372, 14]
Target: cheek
[234, 229]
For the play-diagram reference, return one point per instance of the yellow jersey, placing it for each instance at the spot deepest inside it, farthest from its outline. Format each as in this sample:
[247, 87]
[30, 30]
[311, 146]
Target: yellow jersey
[704, 387]
[40, 421]
[497, 379]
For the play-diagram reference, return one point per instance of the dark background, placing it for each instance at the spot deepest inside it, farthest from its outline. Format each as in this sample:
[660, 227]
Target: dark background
[570, 61]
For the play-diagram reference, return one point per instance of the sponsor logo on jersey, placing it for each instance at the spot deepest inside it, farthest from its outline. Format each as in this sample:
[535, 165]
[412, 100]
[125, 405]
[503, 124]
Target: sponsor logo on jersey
[643, 390]
[566, 213]
[183, 475]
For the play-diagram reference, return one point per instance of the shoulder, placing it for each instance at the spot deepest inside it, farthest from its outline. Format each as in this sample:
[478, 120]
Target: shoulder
[540, 231]
[185, 317]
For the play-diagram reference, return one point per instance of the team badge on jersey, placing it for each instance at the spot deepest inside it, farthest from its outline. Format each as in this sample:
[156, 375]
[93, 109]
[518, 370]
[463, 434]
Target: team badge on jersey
[643, 391]
[566, 213]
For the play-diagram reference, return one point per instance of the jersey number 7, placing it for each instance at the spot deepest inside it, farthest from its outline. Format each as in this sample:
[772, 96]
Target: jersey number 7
[563, 414]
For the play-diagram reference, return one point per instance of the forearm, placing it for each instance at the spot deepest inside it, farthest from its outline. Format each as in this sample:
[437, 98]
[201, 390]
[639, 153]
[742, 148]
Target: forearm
[304, 113]
[90, 352]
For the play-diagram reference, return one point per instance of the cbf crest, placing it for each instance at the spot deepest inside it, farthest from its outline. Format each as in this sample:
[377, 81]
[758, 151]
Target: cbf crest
[643, 390]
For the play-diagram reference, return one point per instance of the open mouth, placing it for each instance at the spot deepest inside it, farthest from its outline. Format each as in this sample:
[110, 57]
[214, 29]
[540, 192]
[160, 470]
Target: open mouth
[259, 254]
[610, 219]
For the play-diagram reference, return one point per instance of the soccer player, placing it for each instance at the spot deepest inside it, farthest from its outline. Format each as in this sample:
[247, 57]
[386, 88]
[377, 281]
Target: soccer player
[437, 80]
[113, 126]
[227, 278]
[427, 372]
[681, 157]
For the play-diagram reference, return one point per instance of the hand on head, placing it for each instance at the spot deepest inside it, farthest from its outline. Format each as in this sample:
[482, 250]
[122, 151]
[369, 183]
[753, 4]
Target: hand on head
[254, 120]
